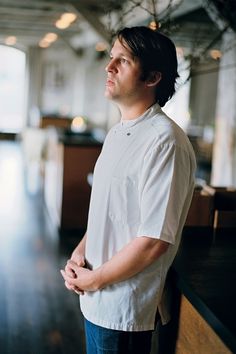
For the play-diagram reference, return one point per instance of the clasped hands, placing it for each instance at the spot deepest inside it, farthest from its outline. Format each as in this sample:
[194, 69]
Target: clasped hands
[78, 278]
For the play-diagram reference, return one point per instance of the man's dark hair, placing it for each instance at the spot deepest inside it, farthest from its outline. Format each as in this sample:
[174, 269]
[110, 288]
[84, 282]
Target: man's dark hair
[156, 53]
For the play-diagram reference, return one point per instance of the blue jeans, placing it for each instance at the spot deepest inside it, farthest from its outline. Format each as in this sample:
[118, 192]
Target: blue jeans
[100, 340]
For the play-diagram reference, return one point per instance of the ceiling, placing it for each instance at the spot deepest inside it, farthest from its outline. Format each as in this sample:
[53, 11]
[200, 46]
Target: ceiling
[226, 11]
[30, 20]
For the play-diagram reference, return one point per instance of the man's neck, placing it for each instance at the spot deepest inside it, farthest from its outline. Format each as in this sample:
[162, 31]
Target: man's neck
[132, 112]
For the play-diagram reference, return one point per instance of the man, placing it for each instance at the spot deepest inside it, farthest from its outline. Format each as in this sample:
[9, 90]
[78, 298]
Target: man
[142, 188]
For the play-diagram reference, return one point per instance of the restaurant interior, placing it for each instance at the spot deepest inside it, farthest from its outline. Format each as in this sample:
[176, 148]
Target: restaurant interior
[53, 122]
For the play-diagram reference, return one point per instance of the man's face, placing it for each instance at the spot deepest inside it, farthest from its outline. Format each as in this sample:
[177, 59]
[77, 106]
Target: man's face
[123, 83]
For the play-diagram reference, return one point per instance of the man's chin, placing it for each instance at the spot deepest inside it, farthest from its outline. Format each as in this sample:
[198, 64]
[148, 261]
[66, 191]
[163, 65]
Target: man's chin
[111, 96]
[108, 95]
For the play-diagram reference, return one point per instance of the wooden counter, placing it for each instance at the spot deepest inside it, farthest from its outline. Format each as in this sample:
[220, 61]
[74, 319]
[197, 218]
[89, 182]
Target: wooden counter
[204, 275]
[67, 192]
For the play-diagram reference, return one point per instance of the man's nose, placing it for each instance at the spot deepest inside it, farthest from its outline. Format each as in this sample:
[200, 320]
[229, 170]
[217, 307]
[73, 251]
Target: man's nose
[111, 66]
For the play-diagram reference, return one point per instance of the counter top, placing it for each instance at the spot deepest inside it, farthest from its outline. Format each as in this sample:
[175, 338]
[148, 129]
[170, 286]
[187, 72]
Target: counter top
[78, 139]
[205, 273]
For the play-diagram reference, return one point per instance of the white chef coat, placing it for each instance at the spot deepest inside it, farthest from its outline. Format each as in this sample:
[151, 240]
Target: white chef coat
[142, 186]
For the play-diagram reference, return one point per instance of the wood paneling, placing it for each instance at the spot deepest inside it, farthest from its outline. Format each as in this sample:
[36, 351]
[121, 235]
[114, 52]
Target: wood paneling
[55, 122]
[195, 336]
[201, 210]
[79, 161]
[66, 188]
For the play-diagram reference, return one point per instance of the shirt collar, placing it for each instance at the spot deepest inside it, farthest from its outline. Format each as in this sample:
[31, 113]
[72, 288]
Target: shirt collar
[127, 123]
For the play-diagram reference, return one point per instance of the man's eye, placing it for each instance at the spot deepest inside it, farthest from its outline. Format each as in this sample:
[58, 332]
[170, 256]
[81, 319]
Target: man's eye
[123, 60]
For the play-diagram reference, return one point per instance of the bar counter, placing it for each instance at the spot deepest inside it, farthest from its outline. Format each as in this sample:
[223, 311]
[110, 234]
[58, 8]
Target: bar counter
[204, 272]
[70, 160]
[83, 139]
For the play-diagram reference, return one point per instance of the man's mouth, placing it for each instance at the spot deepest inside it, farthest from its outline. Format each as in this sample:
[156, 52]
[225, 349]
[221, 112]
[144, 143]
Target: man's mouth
[109, 82]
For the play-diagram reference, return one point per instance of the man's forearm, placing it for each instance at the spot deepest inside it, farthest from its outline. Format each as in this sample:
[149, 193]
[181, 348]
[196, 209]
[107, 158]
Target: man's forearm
[132, 259]
[80, 248]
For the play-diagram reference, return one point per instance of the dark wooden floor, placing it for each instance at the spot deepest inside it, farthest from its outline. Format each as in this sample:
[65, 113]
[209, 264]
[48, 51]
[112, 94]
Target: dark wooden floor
[37, 314]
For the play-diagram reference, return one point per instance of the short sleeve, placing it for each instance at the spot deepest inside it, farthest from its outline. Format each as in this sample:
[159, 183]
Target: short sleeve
[163, 188]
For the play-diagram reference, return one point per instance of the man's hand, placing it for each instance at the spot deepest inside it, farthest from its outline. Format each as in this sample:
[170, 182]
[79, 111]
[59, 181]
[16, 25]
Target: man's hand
[133, 258]
[78, 258]
[70, 273]
[80, 278]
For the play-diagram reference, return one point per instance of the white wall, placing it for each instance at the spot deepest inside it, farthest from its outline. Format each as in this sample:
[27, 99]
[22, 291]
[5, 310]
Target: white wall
[74, 85]
[33, 84]
[59, 75]
[178, 107]
[203, 93]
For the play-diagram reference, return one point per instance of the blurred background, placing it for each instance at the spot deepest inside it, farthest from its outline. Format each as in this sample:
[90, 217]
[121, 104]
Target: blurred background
[53, 121]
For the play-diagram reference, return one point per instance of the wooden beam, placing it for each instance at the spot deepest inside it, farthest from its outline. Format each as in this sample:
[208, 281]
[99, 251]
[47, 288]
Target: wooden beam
[94, 22]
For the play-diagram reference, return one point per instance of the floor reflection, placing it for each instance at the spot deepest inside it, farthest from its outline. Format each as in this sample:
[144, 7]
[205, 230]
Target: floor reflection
[37, 314]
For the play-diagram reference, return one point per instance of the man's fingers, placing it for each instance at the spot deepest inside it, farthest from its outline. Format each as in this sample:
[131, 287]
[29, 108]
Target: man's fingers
[70, 272]
[69, 275]
[80, 261]
[67, 278]
[73, 266]
[68, 286]
[79, 292]
[74, 288]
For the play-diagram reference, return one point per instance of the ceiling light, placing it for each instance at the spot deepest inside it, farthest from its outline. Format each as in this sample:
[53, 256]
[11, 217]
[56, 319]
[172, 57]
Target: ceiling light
[101, 47]
[11, 40]
[62, 24]
[50, 37]
[44, 44]
[153, 25]
[68, 17]
[65, 20]
[215, 54]
[78, 125]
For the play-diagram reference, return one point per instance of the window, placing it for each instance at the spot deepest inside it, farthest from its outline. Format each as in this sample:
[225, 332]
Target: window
[12, 80]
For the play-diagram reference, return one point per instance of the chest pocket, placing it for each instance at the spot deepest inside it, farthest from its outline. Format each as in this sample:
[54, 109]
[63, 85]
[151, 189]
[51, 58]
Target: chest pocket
[123, 201]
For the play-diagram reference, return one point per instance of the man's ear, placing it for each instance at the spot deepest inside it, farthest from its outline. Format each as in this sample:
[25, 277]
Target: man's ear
[154, 78]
